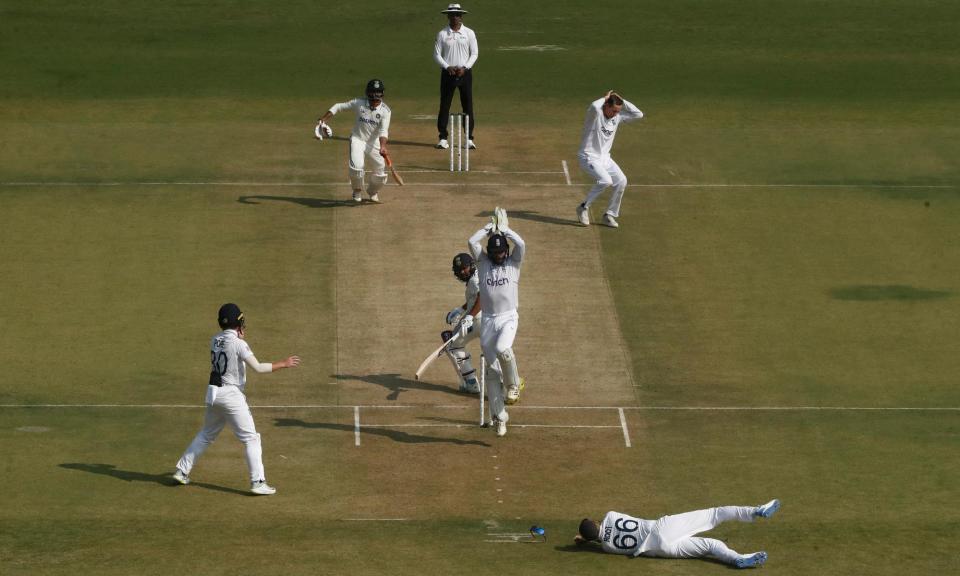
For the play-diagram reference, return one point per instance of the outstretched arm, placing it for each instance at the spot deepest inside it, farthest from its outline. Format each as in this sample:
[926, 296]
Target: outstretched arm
[265, 367]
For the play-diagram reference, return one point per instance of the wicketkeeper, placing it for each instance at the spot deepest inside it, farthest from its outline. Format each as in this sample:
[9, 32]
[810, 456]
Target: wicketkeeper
[498, 271]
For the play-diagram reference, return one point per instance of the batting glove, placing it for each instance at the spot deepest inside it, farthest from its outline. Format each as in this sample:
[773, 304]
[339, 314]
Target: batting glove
[454, 315]
[465, 325]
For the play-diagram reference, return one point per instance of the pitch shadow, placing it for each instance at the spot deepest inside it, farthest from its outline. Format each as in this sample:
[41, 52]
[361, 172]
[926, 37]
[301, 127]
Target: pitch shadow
[397, 384]
[134, 476]
[537, 217]
[395, 435]
[308, 202]
[392, 142]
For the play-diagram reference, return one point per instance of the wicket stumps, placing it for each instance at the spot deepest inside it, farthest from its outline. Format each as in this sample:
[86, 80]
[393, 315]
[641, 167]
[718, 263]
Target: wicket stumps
[459, 127]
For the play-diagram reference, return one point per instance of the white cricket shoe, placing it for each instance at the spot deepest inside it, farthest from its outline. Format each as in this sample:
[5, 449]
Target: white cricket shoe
[181, 477]
[471, 145]
[357, 197]
[261, 488]
[513, 393]
[767, 510]
[583, 215]
[609, 220]
[442, 144]
[501, 427]
[751, 560]
[375, 198]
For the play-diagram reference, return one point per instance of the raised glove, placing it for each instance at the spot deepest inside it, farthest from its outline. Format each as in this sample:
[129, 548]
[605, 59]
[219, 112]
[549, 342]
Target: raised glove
[454, 315]
[502, 222]
[465, 325]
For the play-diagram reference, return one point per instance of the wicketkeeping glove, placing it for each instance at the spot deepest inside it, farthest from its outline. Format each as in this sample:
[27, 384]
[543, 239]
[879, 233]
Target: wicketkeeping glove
[502, 222]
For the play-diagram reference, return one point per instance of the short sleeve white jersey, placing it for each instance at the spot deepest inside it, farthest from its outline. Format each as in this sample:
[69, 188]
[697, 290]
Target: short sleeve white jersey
[622, 534]
[599, 131]
[227, 355]
[371, 123]
[472, 292]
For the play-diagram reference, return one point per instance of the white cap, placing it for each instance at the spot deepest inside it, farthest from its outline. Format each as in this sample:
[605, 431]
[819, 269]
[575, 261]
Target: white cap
[453, 9]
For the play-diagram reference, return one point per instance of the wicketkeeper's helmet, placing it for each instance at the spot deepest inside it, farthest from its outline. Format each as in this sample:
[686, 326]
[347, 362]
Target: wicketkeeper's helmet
[230, 316]
[497, 248]
[461, 261]
[375, 89]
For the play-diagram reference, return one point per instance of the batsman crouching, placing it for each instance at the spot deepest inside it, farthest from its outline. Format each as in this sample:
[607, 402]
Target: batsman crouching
[498, 271]
[463, 320]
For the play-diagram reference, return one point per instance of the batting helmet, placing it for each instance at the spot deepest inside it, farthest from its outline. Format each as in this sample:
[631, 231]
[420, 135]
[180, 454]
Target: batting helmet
[461, 261]
[375, 89]
[230, 316]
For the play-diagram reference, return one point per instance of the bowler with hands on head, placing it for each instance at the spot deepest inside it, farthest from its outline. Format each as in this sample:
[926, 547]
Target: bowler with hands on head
[455, 51]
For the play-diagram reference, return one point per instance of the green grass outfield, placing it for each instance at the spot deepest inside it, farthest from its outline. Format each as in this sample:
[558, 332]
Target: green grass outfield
[784, 280]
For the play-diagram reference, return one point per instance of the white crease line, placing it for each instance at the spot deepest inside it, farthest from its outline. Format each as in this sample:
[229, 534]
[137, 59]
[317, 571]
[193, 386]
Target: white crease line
[480, 184]
[376, 519]
[356, 425]
[623, 423]
[520, 408]
[566, 172]
[476, 425]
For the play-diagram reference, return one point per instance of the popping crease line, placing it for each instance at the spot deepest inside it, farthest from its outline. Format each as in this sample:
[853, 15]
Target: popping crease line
[477, 184]
[520, 408]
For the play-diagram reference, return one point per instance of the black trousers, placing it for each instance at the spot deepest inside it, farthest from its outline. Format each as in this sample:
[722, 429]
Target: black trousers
[448, 84]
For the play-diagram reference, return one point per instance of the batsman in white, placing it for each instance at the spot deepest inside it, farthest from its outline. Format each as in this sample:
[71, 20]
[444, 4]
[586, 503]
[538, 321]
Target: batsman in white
[674, 536]
[465, 269]
[368, 138]
[599, 129]
[498, 271]
[226, 402]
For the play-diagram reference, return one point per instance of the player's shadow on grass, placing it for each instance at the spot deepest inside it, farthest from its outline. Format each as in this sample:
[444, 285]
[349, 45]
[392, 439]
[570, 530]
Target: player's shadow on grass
[397, 384]
[576, 548]
[134, 476]
[395, 435]
[535, 217]
[308, 202]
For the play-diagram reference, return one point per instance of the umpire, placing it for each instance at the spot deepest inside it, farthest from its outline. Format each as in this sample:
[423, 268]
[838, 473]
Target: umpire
[456, 52]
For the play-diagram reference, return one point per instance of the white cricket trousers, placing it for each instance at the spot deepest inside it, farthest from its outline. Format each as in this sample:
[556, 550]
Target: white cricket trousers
[226, 405]
[497, 332]
[359, 151]
[674, 536]
[605, 172]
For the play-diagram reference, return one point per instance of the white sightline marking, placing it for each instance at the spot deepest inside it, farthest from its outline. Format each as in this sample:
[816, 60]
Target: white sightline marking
[623, 424]
[356, 425]
[566, 172]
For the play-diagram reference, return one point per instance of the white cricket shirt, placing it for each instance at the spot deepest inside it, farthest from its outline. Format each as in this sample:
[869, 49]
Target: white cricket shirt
[499, 285]
[456, 48]
[472, 292]
[599, 131]
[227, 355]
[622, 534]
[371, 123]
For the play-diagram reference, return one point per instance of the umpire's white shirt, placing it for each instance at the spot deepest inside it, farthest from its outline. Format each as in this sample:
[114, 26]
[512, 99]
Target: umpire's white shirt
[599, 131]
[371, 124]
[456, 48]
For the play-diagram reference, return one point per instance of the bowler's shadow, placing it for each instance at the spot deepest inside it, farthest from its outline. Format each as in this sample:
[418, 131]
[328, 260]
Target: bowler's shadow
[308, 202]
[395, 435]
[536, 217]
[397, 384]
[134, 476]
